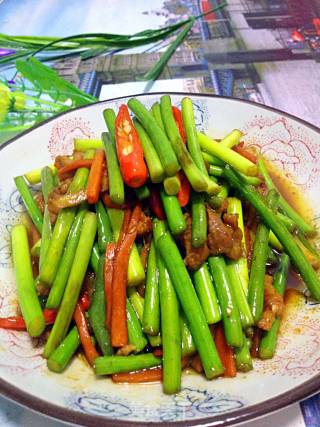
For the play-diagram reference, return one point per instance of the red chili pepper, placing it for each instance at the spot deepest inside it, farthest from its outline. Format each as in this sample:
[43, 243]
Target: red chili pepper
[129, 150]
[17, 323]
[156, 204]
[184, 192]
[179, 122]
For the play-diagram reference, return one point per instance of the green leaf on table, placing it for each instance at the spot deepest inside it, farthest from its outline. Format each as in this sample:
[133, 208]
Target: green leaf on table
[48, 80]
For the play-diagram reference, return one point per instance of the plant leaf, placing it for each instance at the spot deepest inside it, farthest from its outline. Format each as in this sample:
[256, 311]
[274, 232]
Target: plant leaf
[48, 80]
[157, 69]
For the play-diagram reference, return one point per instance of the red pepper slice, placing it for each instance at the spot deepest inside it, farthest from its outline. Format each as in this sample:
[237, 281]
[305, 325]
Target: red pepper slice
[17, 323]
[184, 193]
[129, 150]
[179, 122]
[156, 204]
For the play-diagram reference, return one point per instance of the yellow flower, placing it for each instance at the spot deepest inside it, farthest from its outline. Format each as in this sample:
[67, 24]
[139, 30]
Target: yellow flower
[5, 102]
[19, 99]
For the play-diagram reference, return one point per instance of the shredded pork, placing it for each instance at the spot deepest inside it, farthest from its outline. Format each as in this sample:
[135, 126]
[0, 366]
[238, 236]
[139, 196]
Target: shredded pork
[272, 306]
[195, 257]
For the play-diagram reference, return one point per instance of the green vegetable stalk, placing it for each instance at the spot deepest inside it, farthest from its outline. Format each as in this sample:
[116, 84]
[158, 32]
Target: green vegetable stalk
[27, 296]
[76, 276]
[190, 305]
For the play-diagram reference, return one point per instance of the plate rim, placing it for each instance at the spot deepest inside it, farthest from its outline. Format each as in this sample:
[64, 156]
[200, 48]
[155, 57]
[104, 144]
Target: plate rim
[250, 412]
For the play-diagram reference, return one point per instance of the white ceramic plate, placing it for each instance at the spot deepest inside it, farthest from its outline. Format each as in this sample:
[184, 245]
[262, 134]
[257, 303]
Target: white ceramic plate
[76, 395]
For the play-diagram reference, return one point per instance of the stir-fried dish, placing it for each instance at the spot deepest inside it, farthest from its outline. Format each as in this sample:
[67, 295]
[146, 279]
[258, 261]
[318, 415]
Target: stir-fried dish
[155, 249]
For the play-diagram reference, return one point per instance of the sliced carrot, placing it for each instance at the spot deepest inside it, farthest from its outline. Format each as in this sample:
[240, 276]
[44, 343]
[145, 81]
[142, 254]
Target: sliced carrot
[119, 329]
[85, 338]
[225, 352]
[111, 249]
[95, 177]
[245, 153]
[184, 193]
[145, 376]
[82, 163]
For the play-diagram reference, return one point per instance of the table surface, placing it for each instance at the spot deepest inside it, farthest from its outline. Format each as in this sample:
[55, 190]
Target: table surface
[243, 53]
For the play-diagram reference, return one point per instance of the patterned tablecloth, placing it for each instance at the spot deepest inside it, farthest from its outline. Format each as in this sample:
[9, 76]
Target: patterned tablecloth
[261, 51]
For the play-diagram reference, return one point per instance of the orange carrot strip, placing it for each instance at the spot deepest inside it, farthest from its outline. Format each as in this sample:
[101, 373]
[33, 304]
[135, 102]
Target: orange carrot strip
[145, 376]
[111, 249]
[225, 352]
[95, 177]
[85, 338]
[82, 163]
[245, 153]
[119, 329]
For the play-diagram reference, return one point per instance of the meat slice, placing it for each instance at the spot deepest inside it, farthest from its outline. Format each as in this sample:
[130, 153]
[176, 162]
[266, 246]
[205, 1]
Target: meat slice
[61, 161]
[222, 237]
[144, 225]
[272, 306]
[231, 219]
[195, 257]
[55, 195]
